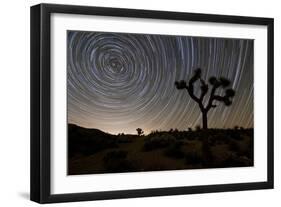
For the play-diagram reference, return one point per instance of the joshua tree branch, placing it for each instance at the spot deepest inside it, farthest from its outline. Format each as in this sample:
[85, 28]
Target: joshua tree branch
[192, 95]
[219, 98]
[213, 105]
[211, 99]
[204, 89]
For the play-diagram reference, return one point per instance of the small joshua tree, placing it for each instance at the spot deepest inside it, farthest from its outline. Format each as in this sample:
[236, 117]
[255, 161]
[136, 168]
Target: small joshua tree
[140, 131]
[204, 87]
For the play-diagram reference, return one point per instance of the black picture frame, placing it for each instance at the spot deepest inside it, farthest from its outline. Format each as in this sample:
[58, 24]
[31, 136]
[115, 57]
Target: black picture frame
[40, 184]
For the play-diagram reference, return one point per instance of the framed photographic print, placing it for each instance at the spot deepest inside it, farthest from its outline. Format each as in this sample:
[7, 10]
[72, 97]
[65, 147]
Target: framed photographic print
[132, 103]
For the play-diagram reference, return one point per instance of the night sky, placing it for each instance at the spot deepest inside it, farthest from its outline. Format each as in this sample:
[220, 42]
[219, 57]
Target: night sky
[118, 82]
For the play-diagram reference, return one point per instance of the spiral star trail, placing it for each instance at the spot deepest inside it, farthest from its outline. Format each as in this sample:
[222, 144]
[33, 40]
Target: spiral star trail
[118, 82]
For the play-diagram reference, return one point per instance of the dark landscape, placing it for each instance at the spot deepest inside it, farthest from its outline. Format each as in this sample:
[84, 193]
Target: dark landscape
[93, 151]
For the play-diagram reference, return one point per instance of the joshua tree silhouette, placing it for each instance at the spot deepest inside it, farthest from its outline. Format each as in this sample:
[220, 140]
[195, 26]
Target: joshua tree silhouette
[216, 84]
[140, 131]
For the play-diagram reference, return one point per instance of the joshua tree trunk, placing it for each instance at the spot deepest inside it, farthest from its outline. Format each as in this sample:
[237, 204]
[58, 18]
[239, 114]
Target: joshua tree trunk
[205, 119]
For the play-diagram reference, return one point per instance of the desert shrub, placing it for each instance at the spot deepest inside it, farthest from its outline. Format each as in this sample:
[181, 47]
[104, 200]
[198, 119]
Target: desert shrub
[250, 151]
[190, 135]
[248, 132]
[88, 146]
[124, 139]
[119, 165]
[236, 135]
[175, 151]
[198, 128]
[157, 142]
[193, 158]
[219, 138]
[115, 154]
[233, 146]
[211, 140]
[237, 161]
[154, 132]
[116, 161]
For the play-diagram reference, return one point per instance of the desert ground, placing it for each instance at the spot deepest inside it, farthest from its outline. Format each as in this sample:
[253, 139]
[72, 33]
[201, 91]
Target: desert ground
[93, 151]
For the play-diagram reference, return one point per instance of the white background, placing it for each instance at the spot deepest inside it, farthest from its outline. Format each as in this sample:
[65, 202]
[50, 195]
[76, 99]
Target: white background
[14, 110]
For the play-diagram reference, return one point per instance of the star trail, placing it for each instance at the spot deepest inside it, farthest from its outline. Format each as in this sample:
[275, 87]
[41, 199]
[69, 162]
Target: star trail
[117, 82]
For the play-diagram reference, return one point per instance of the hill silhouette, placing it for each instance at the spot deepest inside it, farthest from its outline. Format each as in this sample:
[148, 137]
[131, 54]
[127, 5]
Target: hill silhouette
[87, 141]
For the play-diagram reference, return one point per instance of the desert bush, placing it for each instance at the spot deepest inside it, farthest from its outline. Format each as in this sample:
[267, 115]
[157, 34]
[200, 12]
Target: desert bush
[237, 161]
[198, 128]
[175, 151]
[235, 135]
[124, 139]
[115, 154]
[233, 146]
[250, 151]
[154, 132]
[248, 132]
[193, 158]
[116, 161]
[88, 146]
[119, 165]
[157, 142]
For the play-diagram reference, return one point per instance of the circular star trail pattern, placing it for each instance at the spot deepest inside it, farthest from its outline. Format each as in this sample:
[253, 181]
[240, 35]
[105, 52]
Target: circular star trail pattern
[118, 82]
